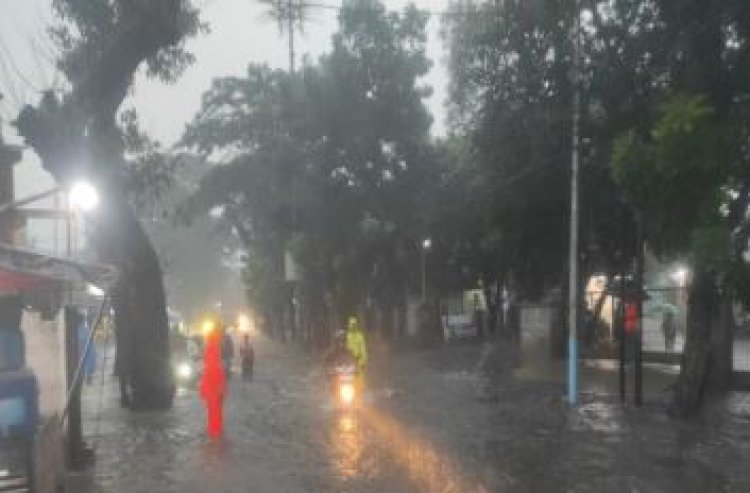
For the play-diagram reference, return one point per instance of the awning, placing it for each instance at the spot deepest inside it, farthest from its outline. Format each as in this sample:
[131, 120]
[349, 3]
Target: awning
[22, 270]
[12, 282]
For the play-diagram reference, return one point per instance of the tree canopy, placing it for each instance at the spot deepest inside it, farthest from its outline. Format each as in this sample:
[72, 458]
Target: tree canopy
[329, 164]
[103, 44]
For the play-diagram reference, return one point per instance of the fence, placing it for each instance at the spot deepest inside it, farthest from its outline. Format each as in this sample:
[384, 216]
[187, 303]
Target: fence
[663, 303]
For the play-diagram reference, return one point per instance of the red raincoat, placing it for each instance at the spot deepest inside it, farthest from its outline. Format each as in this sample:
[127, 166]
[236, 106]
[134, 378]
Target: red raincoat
[213, 385]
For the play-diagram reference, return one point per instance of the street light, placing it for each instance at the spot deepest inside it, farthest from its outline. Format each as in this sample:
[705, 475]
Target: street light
[83, 196]
[426, 246]
[244, 324]
[680, 276]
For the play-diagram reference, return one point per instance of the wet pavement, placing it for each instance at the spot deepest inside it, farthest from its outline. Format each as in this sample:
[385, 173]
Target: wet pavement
[432, 422]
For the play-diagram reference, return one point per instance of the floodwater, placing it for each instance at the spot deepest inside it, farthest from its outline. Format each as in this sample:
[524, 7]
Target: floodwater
[431, 422]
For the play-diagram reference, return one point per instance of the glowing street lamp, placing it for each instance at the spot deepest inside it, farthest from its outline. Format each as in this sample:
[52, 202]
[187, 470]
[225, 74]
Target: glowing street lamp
[680, 276]
[244, 324]
[426, 246]
[83, 196]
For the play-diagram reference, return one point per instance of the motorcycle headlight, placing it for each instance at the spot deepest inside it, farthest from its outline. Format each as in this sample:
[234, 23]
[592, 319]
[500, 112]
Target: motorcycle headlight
[184, 370]
[346, 393]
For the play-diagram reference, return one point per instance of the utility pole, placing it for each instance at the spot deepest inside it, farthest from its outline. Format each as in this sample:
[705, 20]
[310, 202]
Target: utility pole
[573, 260]
[426, 245]
[291, 36]
[9, 221]
[639, 277]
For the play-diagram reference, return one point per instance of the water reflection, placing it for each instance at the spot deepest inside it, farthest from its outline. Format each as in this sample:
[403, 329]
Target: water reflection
[392, 444]
[347, 443]
[600, 417]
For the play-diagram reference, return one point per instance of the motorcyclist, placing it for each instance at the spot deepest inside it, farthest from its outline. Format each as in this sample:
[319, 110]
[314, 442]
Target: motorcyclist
[339, 355]
[355, 342]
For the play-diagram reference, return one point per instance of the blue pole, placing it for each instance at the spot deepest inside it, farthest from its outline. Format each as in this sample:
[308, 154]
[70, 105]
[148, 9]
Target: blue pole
[573, 265]
[572, 371]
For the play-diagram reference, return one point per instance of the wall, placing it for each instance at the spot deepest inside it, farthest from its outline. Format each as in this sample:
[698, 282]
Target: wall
[536, 326]
[44, 355]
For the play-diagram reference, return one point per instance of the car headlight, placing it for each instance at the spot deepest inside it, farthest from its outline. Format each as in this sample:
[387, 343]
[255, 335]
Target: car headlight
[184, 370]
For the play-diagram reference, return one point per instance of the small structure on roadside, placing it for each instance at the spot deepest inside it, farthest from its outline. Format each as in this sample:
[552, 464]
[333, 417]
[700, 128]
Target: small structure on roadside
[35, 377]
[39, 366]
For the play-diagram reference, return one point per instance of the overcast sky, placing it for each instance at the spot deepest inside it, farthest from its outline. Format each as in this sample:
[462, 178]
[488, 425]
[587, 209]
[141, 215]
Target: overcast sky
[240, 34]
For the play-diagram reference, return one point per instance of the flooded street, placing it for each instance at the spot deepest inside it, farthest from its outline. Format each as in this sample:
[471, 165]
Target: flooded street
[428, 425]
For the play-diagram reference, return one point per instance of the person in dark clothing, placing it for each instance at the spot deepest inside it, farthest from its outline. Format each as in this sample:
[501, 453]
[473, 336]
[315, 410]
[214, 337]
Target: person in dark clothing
[669, 329]
[247, 358]
[339, 353]
[227, 352]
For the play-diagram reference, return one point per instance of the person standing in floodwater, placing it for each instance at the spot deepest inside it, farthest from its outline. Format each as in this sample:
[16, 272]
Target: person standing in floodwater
[247, 356]
[669, 329]
[213, 384]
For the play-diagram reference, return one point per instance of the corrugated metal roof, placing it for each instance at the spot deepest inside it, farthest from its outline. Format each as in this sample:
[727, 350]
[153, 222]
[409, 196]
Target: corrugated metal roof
[21, 270]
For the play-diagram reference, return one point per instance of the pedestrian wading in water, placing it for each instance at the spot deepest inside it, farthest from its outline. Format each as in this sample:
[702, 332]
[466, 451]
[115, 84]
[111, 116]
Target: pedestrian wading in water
[213, 384]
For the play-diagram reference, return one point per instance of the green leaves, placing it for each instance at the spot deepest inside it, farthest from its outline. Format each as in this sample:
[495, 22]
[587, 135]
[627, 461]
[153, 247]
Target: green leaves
[329, 164]
[87, 27]
[510, 98]
[675, 175]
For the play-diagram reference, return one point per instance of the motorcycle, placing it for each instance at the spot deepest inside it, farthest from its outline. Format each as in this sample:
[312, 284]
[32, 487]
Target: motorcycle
[342, 379]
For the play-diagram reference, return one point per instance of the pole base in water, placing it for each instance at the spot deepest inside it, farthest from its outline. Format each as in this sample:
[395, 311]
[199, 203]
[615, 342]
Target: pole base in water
[572, 372]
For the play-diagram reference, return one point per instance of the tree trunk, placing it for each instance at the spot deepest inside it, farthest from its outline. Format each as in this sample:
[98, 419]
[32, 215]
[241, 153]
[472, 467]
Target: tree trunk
[142, 327]
[722, 339]
[61, 131]
[696, 359]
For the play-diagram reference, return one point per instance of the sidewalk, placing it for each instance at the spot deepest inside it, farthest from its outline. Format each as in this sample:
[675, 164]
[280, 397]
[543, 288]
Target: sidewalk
[599, 377]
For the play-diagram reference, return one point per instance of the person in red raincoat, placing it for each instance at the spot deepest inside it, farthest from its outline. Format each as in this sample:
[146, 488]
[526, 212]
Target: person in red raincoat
[213, 384]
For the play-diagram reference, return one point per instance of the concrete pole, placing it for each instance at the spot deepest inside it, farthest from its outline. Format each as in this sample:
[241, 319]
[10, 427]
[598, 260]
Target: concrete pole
[424, 276]
[291, 37]
[639, 276]
[573, 260]
[72, 356]
[9, 156]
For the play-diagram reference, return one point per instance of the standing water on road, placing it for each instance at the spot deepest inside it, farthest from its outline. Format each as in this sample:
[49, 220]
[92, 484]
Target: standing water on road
[424, 427]
[416, 180]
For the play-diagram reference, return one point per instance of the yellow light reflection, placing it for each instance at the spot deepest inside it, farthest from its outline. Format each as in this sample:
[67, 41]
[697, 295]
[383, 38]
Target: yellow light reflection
[426, 467]
[347, 447]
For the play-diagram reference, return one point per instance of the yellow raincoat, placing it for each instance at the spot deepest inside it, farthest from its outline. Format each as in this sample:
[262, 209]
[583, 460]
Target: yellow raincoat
[355, 343]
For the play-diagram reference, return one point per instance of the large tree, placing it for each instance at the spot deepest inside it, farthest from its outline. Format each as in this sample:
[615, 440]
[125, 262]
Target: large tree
[663, 79]
[511, 98]
[103, 43]
[328, 164]
[685, 166]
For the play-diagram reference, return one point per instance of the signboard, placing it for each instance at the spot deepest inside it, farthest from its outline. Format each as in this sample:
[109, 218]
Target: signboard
[459, 326]
[291, 270]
